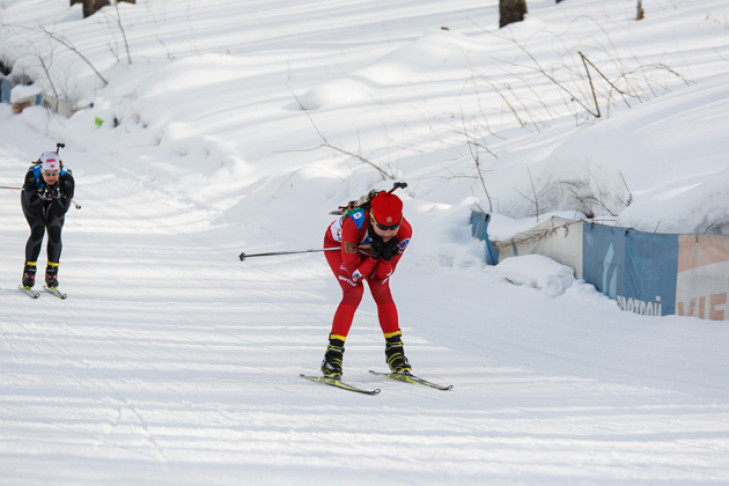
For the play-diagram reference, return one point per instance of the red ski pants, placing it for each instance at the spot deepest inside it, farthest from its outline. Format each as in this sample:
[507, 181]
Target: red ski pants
[352, 296]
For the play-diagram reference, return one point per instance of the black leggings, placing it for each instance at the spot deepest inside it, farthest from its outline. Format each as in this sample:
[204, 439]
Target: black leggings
[50, 217]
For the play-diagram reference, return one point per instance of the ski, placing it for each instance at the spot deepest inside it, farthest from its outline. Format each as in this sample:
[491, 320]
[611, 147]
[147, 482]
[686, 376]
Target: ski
[410, 378]
[55, 292]
[29, 292]
[327, 380]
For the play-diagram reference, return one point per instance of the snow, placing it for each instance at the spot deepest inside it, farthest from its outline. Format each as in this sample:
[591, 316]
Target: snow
[21, 92]
[238, 126]
[539, 272]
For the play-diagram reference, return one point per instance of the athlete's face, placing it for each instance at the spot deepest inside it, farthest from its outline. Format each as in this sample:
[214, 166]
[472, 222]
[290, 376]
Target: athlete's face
[385, 234]
[51, 177]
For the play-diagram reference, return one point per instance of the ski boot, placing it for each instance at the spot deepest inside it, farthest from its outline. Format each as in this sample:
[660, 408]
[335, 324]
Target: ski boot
[331, 366]
[395, 354]
[29, 275]
[52, 275]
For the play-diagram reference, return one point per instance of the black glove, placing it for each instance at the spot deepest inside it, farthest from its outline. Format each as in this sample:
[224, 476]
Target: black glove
[390, 249]
[376, 246]
[48, 193]
[56, 192]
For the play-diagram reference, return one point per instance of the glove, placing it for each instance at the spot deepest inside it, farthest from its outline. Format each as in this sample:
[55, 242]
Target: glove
[390, 249]
[376, 246]
[365, 268]
[47, 194]
[51, 192]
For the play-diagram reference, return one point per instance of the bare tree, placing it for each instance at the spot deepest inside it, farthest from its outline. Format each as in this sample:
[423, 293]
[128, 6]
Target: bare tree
[92, 6]
[123, 32]
[511, 11]
[67, 44]
[536, 195]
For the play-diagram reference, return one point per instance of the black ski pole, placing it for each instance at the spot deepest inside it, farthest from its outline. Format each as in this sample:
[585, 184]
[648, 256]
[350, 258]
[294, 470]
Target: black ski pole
[398, 185]
[243, 256]
[75, 204]
[14, 188]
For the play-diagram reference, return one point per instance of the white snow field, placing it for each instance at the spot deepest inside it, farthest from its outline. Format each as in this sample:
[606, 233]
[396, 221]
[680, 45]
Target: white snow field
[237, 127]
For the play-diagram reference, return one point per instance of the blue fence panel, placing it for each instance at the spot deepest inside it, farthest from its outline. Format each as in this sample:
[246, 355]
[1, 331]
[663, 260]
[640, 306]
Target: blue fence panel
[5, 87]
[637, 269]
[479, 229]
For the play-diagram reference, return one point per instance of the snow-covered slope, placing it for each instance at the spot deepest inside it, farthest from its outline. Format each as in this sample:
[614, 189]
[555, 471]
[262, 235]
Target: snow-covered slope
[172, 362]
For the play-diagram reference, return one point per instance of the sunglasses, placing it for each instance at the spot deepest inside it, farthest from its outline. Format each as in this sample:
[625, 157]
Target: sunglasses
[384, 227]
[51, 173]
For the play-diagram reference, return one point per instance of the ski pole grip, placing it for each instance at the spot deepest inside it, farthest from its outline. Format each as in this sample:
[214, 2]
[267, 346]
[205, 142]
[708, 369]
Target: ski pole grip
[398, 185]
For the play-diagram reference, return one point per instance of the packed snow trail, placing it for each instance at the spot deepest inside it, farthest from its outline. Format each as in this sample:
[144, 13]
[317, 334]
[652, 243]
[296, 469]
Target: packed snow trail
[172, 362]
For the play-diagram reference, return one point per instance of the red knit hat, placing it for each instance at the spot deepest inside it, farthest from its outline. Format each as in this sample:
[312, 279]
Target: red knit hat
[387, 209]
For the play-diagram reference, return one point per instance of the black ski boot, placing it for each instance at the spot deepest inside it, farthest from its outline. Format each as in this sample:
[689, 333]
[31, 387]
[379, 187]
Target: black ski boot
[332, 364]
[29, 275]
[395, 354]
[52, 275]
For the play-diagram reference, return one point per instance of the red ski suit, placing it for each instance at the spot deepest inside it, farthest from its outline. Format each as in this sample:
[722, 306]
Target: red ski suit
[350, 233]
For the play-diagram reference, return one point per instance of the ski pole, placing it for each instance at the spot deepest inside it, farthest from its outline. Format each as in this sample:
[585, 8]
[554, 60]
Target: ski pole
[59, 146]
[243, 256]
[75, 204]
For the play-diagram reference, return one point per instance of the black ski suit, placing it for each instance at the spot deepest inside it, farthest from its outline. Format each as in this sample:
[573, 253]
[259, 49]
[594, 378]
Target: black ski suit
[45, 208]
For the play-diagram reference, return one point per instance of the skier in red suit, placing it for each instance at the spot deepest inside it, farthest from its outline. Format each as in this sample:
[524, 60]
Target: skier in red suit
[372, 241]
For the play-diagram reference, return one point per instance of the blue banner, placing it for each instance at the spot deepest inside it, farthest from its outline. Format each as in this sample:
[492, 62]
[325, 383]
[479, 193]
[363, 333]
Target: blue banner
[637, 269]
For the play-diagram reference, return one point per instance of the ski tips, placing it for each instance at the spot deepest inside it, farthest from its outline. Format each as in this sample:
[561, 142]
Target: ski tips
[326, 380]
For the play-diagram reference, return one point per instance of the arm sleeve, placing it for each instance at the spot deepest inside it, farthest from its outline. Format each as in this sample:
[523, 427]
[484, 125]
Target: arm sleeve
[29, 197]
[384, 269]
[67, 187]
[352, 259]
[29, 182]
